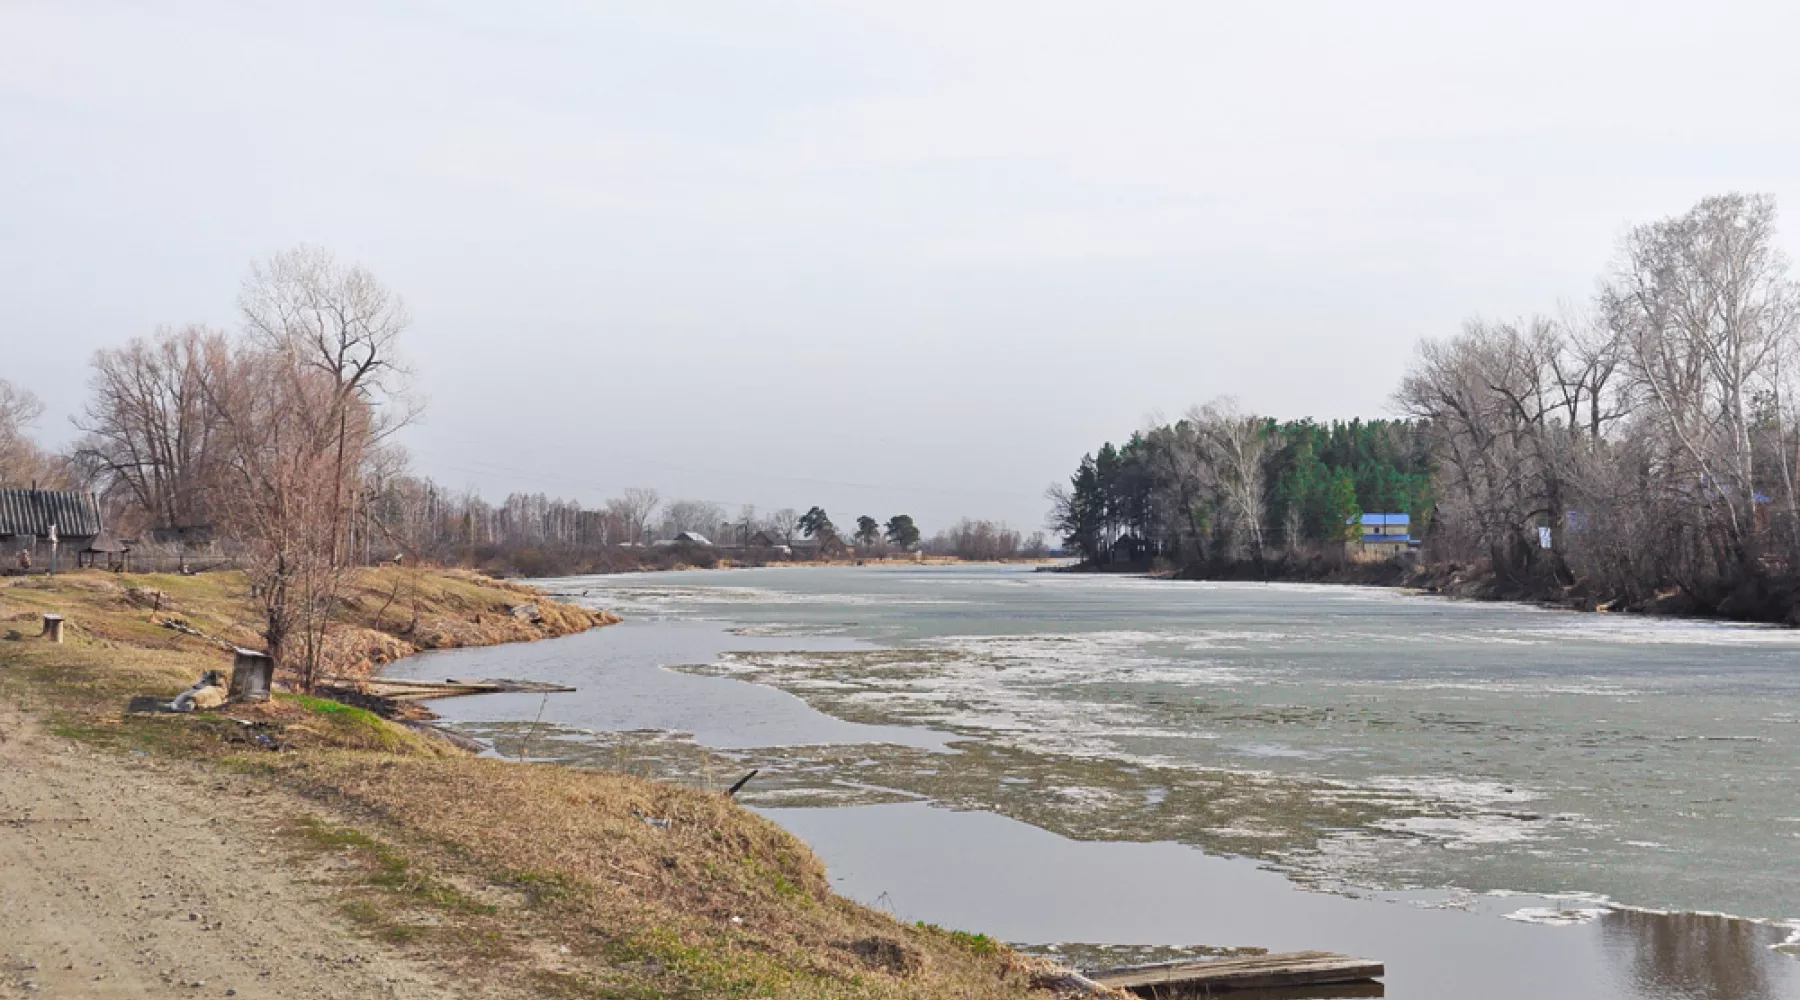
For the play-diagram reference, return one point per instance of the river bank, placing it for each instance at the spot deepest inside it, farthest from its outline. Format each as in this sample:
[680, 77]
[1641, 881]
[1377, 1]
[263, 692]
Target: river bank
[1772, 603]
[1430, 765]
[485, 877]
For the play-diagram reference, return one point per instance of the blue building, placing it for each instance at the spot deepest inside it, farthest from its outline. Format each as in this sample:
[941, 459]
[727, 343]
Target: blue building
[1383, 536]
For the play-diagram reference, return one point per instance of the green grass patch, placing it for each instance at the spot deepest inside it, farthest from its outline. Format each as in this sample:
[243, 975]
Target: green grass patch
[541, 887]
[374, 920]
[358, 728]
[386, 868]
[975, 944]
[336, 711]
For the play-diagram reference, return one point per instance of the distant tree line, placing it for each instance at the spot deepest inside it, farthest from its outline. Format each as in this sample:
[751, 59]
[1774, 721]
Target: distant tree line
[159, 449]
[986, 541]
[1221, 486]
[1641, 451]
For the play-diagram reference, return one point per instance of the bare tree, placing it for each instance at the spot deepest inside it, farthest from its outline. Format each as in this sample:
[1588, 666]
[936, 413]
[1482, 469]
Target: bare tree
[697, 516]
[22, 461]
[1705, 307]
[344, 324]
[782, 524]
[151, 434]
[305, 405]
[1593, 384]
[1234, 444]
[1646, 441]
[1490, 397]
[972, 539]
[634, 509]
[278, 498]
[19, 409]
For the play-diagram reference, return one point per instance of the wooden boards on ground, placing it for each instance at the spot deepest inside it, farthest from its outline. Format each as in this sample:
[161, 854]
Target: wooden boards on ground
[1256, 972]
[399, 690]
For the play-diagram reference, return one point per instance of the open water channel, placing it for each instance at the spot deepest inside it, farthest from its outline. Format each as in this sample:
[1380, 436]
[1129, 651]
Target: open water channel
[1496, 800]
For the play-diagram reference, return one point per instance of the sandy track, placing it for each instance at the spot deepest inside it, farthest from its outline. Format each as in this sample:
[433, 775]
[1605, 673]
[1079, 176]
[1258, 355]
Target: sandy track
[129, 877]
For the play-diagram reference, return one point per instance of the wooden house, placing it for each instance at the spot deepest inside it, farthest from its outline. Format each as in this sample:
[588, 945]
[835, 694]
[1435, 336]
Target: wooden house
[30, 519]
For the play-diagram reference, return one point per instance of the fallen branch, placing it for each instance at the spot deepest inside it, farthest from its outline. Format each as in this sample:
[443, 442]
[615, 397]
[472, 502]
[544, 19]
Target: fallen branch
[1071, 984]
[184, 628]
[741, 782]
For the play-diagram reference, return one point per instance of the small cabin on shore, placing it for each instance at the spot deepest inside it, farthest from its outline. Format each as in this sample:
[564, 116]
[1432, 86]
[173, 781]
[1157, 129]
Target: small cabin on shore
[1383, 536]
[820, 547]
[30, 518]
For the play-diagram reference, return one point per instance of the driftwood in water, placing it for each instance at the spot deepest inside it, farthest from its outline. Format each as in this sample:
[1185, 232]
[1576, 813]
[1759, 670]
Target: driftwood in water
[1258, 972]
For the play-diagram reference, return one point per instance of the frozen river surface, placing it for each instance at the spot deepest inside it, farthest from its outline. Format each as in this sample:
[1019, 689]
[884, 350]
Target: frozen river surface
[1497, 775]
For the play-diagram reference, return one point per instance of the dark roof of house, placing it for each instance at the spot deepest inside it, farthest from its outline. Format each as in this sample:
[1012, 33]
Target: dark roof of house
[105, 544]
[32, 512]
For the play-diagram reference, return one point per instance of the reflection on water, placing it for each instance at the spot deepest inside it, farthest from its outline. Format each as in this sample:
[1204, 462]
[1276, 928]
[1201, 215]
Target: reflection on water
[977, 870]
[1681, 955]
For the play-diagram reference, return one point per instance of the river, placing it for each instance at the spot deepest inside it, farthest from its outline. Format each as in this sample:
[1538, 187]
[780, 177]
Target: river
[1497, 800]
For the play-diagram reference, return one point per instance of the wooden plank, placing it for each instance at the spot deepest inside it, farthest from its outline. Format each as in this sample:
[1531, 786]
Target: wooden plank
[1359, 990]
[502, 684]
[1255, 972]
[410, 690]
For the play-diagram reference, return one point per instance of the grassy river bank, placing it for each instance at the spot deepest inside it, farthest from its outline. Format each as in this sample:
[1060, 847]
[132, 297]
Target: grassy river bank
[1771, 601]
[499, 878]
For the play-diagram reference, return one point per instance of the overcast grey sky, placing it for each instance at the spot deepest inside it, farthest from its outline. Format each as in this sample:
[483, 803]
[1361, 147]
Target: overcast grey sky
[884, 257]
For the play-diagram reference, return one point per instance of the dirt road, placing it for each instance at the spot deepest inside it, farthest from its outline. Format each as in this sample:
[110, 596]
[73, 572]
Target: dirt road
[129, 877]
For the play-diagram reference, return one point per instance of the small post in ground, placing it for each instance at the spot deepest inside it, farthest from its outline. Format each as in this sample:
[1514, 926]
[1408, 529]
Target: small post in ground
[53, 627]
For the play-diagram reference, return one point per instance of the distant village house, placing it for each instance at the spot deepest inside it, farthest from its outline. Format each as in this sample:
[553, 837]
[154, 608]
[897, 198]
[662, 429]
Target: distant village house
[1383, 536]
[29, 519]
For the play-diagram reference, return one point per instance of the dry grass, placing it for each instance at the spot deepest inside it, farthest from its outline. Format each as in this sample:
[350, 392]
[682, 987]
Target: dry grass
[120, 648]
[719, 903]
[523, 876]
[393, 612]
[386, 613]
